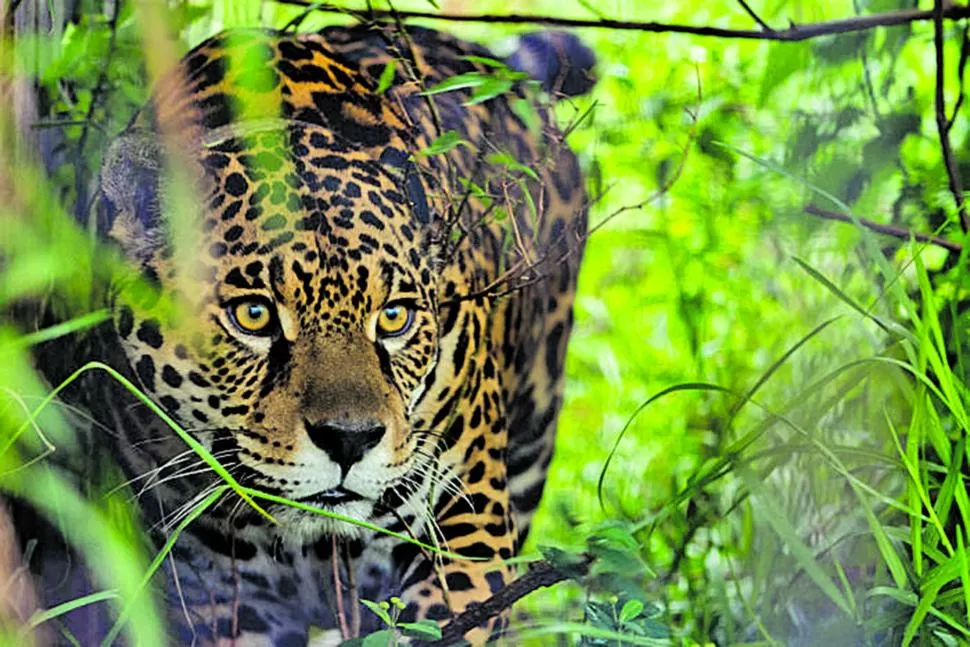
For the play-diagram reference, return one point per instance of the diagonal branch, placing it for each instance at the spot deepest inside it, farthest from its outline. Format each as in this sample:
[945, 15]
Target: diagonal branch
[794, 33]
[755, 17]
[943, 124]
[889, 230]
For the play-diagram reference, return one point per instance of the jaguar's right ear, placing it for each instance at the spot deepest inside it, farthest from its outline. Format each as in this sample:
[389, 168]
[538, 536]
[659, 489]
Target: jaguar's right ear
[129, 207]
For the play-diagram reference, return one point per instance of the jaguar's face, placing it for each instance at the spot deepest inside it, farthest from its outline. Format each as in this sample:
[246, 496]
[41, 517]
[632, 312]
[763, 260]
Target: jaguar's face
[312, 320]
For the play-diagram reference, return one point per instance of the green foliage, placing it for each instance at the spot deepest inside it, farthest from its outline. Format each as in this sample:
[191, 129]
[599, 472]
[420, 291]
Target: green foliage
[484, 86]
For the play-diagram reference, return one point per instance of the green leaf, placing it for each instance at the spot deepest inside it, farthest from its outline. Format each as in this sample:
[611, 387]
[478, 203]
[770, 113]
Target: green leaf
[631, 610]
[486, 61]
[41, 617]
[489, 89]
[422, 629]
[784, 60]
[446, 142]
[505, 159]
[387, 77]
[525, 111]
[458, 82]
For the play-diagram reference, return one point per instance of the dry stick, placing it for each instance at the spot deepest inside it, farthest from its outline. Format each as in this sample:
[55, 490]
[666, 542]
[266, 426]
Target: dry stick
[508, 277]
[794, 33]
[943, 124]
[890, 230]
[540, 574]
[97, 94]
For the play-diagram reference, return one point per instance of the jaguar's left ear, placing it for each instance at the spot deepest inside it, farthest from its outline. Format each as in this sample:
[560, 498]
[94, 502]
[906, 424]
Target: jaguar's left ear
[129, 206]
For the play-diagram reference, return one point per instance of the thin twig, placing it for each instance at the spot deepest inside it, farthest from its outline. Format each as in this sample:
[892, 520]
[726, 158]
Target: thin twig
[794, 33]
[352, 590]
[942, 123]
[889, 230]
[867, 75]
[961, 73]
[755, 17]
[499, 288]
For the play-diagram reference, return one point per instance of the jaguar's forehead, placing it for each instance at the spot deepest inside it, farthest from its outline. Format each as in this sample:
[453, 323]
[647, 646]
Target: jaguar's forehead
[293, 201]
[250, 75]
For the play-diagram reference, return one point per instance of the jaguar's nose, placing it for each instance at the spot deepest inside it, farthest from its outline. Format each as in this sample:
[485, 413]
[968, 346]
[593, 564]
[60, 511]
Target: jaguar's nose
[345, 442]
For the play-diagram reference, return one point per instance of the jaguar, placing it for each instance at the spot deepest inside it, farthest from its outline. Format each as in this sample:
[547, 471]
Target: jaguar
[355, 255]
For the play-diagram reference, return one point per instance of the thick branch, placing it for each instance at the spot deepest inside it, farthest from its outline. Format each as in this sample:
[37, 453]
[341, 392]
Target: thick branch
[942, 123]
[541, 574]
[793, 34]
[889, 230]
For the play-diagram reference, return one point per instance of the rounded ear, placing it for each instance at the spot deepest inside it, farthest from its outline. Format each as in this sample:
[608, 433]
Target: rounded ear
[129, 206]
[558, 59]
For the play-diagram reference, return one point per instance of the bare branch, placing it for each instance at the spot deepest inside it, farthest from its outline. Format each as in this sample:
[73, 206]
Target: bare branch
[961, 73]
[755, 17]
[794, 33]
[942, 123]
[889, 230]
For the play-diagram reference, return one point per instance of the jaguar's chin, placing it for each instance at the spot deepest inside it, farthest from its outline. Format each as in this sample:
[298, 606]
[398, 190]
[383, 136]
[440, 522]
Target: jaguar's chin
[333, 514]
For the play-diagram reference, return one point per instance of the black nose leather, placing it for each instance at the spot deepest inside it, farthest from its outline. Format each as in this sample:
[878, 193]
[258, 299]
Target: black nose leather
[345, 442]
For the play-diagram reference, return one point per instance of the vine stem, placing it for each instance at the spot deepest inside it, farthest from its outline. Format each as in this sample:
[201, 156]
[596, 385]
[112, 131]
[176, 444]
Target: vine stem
[794, 33]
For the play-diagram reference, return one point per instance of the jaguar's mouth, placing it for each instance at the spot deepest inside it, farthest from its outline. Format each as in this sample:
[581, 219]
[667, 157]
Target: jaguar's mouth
[332, 497]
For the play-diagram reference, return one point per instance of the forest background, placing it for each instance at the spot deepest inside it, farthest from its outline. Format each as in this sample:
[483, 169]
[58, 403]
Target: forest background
[766, 409]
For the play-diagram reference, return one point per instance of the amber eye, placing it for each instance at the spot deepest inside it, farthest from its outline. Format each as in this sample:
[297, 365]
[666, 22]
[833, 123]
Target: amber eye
[394, 320]
[252, 316]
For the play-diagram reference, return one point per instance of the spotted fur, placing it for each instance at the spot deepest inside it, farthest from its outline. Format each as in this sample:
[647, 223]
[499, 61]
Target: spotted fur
[315, 197]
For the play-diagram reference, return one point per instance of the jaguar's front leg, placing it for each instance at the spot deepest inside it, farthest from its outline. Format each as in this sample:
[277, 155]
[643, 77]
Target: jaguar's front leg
[475, 524]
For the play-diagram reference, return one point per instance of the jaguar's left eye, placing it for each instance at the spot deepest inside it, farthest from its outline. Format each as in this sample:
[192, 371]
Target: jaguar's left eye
[253, 316]
[394, 320]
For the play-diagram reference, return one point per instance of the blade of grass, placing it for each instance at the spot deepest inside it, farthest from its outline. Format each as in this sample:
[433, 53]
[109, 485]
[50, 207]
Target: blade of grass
[917, 484]
[199, 508]
[935, 580]
[964, 572]
[834, 289]
[53, 332]
[40, 617]
[689, 386]
[195, 445]
[109, 553]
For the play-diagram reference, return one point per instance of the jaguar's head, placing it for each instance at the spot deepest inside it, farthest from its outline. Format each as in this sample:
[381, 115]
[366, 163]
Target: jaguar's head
[309, 325]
